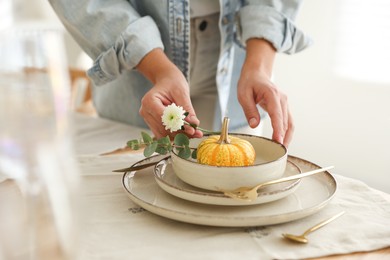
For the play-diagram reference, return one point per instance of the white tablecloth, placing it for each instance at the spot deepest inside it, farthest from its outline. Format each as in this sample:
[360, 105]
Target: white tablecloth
[116, 228]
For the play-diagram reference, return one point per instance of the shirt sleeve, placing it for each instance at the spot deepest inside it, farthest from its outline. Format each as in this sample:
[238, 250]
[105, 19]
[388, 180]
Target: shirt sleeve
[273, 20]
[111, 32]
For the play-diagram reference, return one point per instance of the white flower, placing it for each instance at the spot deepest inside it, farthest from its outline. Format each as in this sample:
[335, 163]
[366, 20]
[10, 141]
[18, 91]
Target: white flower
[173, 117]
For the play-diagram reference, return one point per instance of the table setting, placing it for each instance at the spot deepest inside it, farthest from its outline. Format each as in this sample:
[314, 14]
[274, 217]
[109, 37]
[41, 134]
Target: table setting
[133, 214]
[124, 218]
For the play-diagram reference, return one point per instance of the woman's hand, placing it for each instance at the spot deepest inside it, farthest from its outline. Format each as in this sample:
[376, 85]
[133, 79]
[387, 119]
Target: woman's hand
[256, 88]
[170, 86]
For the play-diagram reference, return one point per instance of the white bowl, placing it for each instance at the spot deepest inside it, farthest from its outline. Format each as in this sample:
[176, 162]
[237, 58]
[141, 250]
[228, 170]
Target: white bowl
[270, 164]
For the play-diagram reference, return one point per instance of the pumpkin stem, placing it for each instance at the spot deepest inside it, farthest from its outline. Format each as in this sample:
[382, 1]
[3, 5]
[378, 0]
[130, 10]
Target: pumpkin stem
[224, 137]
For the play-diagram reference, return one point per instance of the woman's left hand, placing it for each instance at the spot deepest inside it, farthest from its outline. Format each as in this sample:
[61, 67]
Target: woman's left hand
[256, 88]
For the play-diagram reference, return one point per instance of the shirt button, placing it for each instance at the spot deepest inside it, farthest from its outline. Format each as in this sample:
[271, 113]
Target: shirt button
[225, 20]
[203, 25]
[223, 70]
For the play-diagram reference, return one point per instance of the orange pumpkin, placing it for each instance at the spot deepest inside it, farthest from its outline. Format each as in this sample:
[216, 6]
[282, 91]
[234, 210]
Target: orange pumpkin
[222, 150]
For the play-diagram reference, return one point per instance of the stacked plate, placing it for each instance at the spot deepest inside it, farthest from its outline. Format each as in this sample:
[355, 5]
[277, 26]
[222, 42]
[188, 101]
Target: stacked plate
[160, 191]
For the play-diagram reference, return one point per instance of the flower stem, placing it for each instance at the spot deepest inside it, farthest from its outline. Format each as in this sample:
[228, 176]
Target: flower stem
[205, 131]
[208, 131]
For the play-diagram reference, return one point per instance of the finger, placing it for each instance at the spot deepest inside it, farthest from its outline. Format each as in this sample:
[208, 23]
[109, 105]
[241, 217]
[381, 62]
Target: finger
[191, 118]
[198, 134]
[191, 132]
[157, 129]
[154, 121]
[285, 113]
[185, 101]
[290, 130]
[248, 105]
[151, 113]
[187, 106]
[274, 109]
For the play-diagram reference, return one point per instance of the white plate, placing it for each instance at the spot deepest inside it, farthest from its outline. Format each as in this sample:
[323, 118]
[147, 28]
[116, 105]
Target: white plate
[312, 195]
[168, 181]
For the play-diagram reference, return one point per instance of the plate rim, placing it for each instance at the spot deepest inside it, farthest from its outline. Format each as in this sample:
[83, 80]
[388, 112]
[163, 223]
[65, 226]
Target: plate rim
[228, 221]
[227, 201]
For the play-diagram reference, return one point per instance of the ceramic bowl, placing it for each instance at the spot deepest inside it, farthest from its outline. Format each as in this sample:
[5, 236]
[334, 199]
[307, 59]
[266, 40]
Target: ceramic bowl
[270, 164]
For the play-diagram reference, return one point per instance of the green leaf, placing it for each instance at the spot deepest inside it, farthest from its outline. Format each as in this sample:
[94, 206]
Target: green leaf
[181, 140]
[185, 152]
[169, 146]
[178, 149]
[194, 154]
[133, 144]
[161, 150]
[186, 114]
[146, 137]
[150, 149]
[164, 145]
[164, 140]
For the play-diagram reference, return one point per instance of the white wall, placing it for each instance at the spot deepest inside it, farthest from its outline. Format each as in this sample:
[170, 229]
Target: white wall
[339, 121]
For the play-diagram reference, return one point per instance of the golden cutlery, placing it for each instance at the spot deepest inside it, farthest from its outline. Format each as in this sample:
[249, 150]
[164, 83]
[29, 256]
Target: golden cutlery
[250, 193]
[302, 238]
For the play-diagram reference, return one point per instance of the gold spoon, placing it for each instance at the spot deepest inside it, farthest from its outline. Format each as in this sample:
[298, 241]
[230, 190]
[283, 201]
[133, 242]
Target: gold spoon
[302, 238]
[250, 193]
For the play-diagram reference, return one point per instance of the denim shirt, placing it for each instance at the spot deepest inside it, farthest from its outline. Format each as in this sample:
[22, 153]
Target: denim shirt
[117, 34]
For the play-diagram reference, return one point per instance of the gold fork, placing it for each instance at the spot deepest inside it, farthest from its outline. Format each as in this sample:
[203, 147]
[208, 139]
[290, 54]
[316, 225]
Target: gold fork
[250, 193]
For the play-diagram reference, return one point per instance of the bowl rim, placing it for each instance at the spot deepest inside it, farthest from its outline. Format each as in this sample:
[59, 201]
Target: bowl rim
[248, 135]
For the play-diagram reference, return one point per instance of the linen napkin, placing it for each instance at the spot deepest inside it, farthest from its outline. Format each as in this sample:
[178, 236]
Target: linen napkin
[364, 227]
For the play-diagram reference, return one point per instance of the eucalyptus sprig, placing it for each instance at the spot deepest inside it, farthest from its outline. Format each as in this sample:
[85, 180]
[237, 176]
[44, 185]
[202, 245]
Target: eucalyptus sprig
[163, 145]
[173, 120]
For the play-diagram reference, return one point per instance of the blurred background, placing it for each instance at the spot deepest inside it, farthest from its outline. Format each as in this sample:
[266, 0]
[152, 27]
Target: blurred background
[338, 89]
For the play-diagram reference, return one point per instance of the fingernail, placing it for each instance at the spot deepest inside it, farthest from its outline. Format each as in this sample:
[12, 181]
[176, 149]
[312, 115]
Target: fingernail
[252, 122]
[280, 139]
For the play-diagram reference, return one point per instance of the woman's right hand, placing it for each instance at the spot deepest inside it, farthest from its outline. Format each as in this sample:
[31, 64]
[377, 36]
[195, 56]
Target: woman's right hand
[170, 86]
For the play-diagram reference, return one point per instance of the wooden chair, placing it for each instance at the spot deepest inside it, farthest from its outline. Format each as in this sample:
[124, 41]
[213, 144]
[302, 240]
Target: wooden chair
[81, 99]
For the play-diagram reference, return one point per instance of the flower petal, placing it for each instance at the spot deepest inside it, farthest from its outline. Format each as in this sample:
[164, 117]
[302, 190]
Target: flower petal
[173, 117]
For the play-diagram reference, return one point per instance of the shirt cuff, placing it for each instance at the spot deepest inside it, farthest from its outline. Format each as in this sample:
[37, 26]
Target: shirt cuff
[139, 38]
[273, 26]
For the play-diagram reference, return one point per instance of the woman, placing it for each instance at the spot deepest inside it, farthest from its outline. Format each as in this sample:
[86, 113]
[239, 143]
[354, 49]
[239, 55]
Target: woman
[213, 58]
